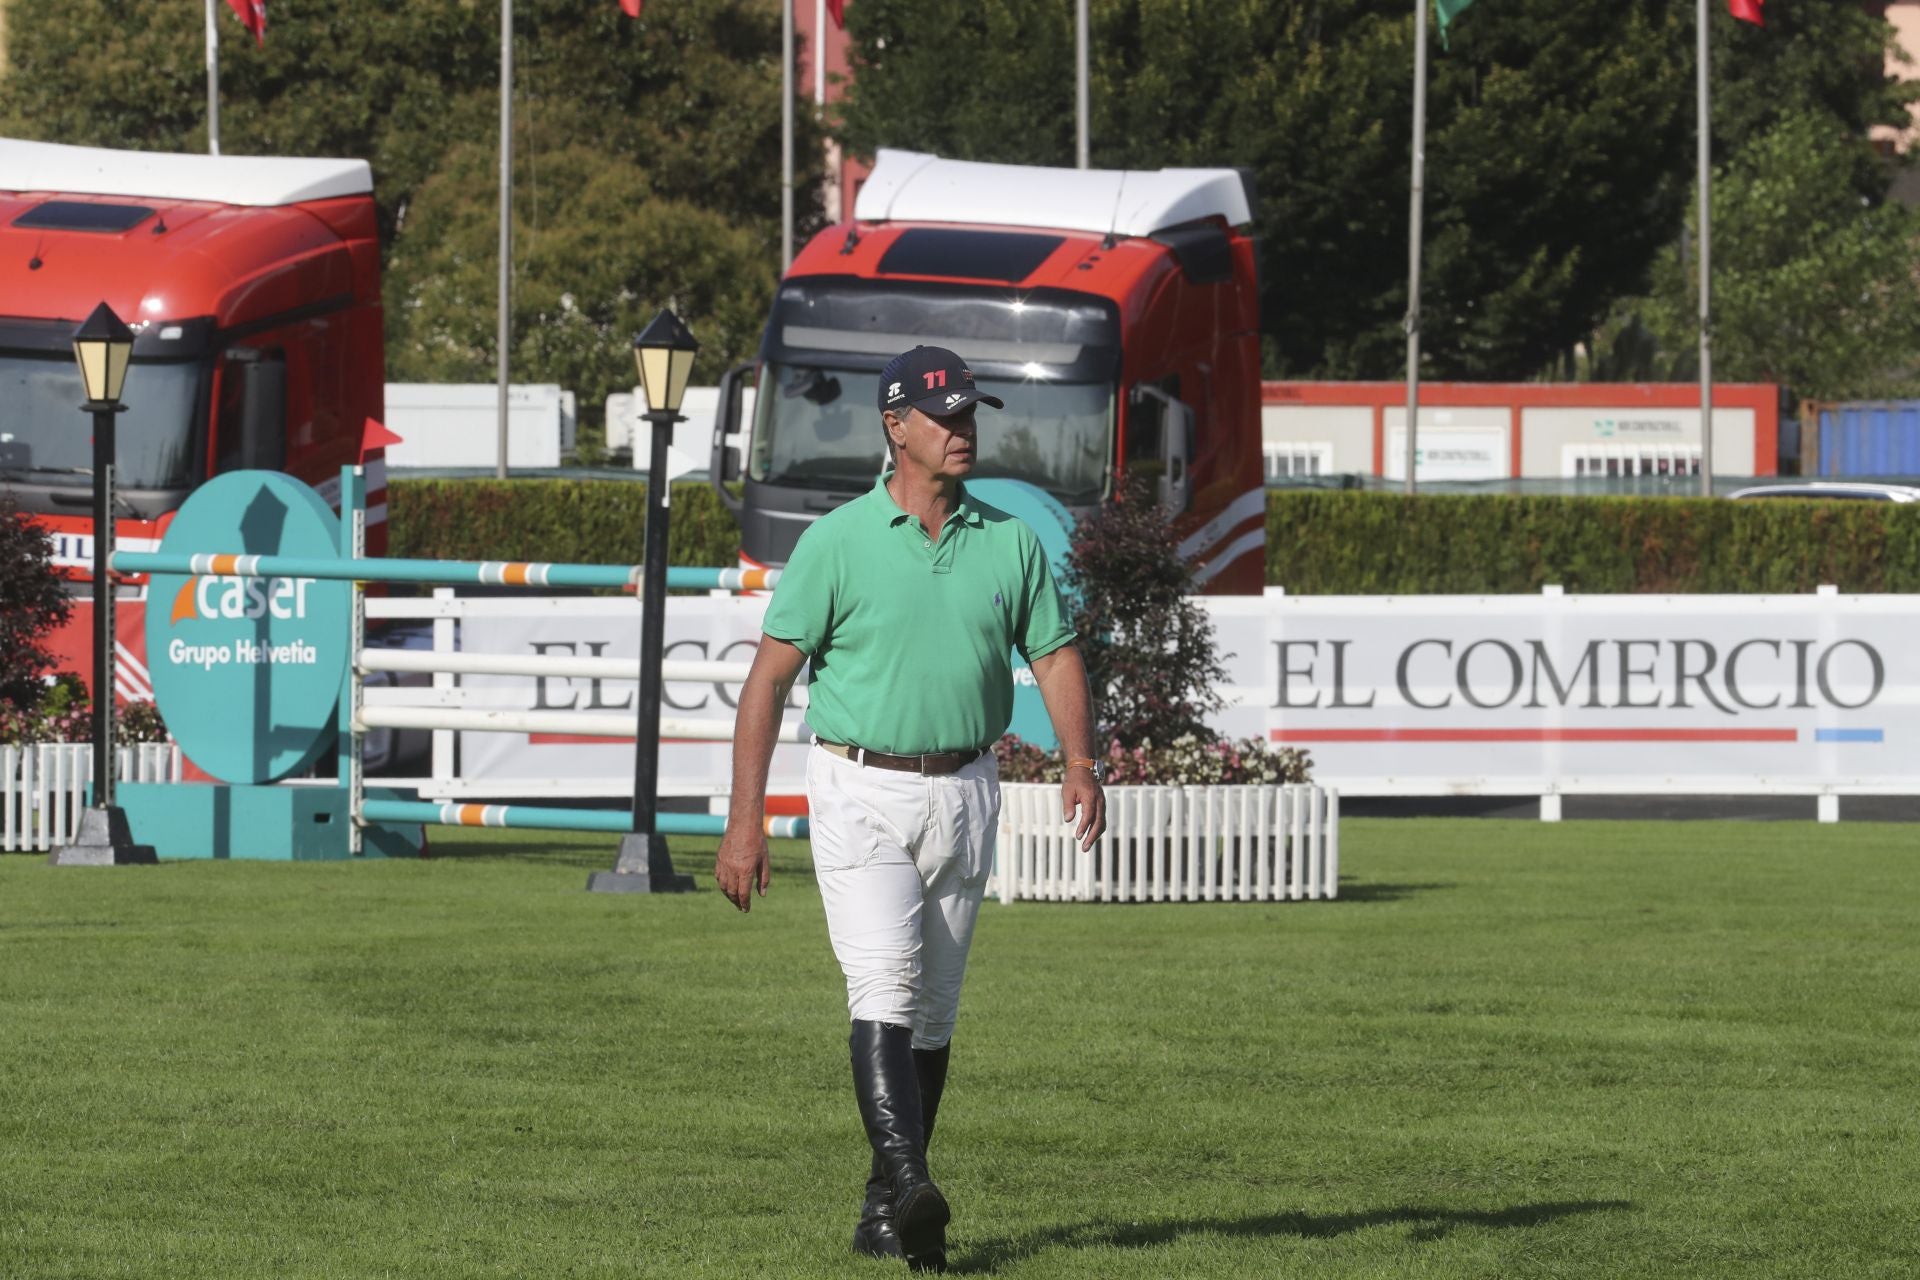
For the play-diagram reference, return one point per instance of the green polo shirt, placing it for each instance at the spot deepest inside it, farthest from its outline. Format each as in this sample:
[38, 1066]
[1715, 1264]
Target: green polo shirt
[910, 641]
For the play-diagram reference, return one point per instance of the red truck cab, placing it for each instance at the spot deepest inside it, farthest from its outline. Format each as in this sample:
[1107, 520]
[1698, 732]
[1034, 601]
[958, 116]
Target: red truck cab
[252, 285]
[1116, 313]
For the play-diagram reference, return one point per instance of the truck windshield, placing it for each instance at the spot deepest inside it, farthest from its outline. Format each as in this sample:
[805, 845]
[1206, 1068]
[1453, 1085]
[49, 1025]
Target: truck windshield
[818, 426]
[46, 438]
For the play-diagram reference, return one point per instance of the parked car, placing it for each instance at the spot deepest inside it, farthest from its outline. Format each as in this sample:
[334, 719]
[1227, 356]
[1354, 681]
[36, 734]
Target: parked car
[1833, 489]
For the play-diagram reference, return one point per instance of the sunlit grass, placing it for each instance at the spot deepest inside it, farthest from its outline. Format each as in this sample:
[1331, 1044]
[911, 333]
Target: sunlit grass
[1508, 1050]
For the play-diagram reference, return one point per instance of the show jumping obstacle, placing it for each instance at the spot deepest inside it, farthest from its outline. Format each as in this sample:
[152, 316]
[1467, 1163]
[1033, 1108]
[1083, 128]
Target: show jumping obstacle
[354, 718]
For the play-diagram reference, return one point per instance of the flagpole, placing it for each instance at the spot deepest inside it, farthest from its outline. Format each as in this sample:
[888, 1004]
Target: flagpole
[213, 82]
[1080, 92]
[1414, 218]
[1706, 239]
[819, 53]
[786, 133]
[504, 321]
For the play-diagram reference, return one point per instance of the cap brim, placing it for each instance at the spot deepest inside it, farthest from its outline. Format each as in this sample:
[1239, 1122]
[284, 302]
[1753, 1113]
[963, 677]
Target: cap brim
[948, 403]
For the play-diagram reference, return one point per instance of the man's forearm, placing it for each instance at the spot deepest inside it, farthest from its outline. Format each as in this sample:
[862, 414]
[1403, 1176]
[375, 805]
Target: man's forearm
[756, 728]
[1062, 678]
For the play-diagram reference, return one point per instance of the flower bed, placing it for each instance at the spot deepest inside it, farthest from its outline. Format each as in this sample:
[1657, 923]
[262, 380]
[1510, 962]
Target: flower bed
[1186, 761]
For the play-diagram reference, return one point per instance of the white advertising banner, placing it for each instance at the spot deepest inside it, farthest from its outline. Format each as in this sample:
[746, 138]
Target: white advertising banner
[1435, 695]
[1409, 695]
[698, 628]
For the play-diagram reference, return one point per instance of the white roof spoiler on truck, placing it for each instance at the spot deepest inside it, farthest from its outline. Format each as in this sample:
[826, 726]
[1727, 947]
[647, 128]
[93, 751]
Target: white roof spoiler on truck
[911, 186]
[155, 175]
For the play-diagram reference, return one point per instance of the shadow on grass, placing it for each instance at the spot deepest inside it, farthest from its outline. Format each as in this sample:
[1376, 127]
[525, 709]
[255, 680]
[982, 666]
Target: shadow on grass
[595, 857]
[1427, 1224]
[1364, 892]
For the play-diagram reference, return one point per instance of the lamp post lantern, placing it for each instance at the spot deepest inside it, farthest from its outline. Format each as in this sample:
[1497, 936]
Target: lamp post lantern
[103, 347]
[664, 351]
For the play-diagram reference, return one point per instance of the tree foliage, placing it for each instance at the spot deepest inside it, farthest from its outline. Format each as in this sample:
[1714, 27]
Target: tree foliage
[646, 154]
[32, 604]
[1815, 287]
[591, 271]
[1559, 143]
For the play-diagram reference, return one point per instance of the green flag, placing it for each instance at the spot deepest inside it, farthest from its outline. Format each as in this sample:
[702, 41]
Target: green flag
[1448, 10]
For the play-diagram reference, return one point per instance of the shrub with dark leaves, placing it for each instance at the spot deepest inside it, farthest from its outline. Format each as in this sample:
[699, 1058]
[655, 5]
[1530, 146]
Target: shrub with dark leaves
[33, 602]
[1148, 645]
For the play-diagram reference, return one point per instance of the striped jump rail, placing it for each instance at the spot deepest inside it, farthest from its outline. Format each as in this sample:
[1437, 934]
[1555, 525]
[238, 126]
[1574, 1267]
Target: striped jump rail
[546, 818]
[453, 573]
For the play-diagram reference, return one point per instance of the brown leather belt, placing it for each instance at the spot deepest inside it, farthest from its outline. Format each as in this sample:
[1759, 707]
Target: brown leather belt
[939, 762]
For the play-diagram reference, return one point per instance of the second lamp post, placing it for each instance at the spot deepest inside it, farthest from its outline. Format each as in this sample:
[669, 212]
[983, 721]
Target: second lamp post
[664, 351]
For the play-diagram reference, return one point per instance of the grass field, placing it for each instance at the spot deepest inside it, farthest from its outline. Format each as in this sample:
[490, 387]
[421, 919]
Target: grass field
[1509, 1050]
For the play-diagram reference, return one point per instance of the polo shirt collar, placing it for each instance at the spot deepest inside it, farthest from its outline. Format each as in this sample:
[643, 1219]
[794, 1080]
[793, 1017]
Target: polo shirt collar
[963, 510]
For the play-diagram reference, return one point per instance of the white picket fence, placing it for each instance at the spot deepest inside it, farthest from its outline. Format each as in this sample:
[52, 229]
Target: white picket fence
[1165, 844]
[43, 787]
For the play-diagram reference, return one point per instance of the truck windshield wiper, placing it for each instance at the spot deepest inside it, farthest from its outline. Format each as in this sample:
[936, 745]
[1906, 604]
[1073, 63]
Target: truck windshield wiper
[24, 472]
[75, 496]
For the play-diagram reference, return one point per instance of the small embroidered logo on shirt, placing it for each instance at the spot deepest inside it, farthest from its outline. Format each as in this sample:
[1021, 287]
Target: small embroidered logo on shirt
[996, 598]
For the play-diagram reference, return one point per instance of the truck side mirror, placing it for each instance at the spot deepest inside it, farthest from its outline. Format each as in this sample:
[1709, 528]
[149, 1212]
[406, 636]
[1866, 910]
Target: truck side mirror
[263, 415]
[723, 466]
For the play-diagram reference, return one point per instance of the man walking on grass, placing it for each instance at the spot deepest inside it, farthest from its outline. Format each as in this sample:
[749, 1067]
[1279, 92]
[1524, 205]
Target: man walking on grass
[908, 602]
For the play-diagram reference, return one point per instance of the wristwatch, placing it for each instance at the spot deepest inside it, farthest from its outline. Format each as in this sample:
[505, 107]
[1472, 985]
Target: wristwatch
[1091, 766]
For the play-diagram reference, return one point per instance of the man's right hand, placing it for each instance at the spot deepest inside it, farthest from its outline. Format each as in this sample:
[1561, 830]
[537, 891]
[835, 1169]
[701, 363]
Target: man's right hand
[742, 860]
[741, 864]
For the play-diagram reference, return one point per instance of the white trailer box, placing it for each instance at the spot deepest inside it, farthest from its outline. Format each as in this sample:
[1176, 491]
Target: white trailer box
[457, 424]
[691, 446]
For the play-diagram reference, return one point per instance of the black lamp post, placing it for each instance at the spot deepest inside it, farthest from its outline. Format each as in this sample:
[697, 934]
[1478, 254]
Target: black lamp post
[103, 346]
[664, 351]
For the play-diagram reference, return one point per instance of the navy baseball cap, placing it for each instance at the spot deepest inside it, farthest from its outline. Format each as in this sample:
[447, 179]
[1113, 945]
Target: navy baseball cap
[933, 380]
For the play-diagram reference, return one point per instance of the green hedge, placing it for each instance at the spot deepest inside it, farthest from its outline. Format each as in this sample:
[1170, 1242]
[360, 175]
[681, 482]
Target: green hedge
[568, 521]
[1345, 543]
[1318, 542]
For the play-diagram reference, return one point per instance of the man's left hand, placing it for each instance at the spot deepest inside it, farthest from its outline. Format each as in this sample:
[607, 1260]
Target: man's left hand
[1080, 794]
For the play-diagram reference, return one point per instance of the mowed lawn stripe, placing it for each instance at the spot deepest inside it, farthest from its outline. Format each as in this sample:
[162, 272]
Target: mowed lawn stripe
[1509, 1050]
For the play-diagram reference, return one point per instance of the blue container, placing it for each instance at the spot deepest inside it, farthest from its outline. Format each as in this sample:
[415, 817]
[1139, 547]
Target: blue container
[1870, 438]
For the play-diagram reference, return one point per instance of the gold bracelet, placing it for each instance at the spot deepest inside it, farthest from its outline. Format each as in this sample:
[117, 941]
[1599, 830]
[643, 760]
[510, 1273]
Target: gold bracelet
[1082, 764]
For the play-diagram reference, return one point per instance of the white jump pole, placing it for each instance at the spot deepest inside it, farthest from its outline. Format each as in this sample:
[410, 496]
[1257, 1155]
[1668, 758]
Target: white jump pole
[421, 661]
[584, 723]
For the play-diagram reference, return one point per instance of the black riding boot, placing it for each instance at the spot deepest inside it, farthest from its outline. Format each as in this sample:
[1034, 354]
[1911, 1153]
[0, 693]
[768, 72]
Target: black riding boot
[886, 1082]
[930, 1066]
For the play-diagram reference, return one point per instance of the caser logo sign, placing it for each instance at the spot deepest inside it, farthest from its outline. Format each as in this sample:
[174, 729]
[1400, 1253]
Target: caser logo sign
[248, 663]
[211, 597]
[237, 599]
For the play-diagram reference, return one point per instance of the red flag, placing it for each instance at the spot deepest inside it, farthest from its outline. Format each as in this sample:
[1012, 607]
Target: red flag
[374, 438]
[630, 7]
[253, 16]
[837, 10]
[1746, 11]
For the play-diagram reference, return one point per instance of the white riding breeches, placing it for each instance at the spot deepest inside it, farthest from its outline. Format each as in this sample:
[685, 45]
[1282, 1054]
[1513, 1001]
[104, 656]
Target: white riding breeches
[902, 861]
